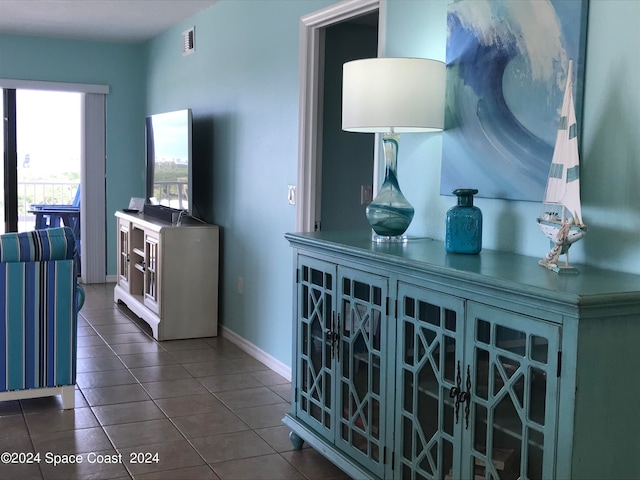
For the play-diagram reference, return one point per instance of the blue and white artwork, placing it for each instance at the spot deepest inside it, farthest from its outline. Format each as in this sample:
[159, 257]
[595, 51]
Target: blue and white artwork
[507, 64]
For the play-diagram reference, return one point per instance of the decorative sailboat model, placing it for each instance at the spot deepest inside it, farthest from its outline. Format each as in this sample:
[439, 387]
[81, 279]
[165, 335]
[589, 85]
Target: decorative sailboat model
[561, 220]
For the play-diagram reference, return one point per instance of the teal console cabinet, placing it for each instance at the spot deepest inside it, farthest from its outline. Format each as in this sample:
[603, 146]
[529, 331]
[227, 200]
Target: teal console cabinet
[412, 363]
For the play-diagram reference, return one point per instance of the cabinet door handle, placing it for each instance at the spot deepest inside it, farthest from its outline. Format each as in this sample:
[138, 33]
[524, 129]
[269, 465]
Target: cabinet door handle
[332, 335]
[336, 338]
[467, 398]
[456, 392]
[462, 396]
[453, 393]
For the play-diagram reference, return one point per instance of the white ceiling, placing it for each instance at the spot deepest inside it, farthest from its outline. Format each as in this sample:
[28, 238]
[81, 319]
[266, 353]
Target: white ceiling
[129, 21]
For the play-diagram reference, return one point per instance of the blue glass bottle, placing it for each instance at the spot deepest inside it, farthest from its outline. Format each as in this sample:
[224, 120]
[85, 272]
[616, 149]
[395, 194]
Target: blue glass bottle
[464, 224]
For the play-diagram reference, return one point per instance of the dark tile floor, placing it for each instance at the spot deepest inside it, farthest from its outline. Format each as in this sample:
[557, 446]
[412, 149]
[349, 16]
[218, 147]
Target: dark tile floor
[183, 409]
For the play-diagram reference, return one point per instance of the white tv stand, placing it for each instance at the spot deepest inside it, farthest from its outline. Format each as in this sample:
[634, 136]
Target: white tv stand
[168, 275]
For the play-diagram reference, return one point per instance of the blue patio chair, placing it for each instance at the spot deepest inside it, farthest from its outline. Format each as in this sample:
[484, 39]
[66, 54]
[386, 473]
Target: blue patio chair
[57, 215]
[60, 215]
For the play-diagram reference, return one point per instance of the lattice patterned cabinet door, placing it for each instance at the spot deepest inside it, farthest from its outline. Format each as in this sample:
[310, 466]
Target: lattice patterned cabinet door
[123, 253]
[511, 430]
[315, 323]
[152, 294]
[361, 357]
[428, 375]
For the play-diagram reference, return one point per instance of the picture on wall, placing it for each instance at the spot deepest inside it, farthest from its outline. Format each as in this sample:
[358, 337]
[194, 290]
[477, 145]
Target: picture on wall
[507, 64]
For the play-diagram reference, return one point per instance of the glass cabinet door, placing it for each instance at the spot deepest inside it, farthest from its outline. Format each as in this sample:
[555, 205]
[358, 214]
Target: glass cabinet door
[136, 261]
[514, 368]
[316, 331]
[123, 254]
[151, 281]
[430, 376]
[361, 357]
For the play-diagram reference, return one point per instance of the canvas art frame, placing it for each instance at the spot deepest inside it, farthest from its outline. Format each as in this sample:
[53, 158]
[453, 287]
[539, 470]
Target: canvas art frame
[507, 64]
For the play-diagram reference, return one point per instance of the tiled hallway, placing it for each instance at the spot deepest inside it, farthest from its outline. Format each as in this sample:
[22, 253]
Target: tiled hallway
[187, 409]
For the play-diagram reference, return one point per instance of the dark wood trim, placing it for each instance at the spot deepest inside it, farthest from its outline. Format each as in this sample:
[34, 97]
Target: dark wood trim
[10, 162]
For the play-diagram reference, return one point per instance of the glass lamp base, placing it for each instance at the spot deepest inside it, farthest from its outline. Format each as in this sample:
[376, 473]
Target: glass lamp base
[388, 220]
[390, 213]
[389, 238]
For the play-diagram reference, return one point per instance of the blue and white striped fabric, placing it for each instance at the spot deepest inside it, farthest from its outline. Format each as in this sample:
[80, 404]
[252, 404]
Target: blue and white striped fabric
[37, 245]
[38, 309]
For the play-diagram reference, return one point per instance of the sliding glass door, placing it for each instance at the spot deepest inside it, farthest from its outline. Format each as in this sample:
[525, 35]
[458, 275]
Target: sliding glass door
[42, 159]
[92, 144]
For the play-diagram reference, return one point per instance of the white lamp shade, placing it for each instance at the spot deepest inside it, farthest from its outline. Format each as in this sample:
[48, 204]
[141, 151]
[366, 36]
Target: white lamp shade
[393, 94]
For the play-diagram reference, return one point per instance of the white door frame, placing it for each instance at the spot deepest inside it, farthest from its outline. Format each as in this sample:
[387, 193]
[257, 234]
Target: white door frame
[310, 103]
[93, 230]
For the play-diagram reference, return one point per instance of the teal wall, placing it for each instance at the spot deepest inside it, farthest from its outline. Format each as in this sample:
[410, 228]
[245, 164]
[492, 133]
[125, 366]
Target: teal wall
[117, 65]
[610, 145]
[242, 85]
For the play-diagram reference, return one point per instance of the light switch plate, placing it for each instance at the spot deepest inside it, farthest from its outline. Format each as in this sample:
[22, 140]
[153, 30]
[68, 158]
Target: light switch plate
[366, 194]
[291, 195]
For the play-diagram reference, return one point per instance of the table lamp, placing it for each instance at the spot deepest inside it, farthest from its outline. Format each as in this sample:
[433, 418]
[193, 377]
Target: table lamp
[391, 96]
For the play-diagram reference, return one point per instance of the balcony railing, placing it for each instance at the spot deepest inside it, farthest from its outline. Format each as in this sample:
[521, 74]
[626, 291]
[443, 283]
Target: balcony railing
[29, 193]
[171, 193]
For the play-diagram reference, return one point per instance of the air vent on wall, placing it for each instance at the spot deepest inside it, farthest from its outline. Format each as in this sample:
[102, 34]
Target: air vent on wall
[189, 41]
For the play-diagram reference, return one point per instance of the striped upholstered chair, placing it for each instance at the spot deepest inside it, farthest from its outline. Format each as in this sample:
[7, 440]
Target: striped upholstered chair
[39, 303]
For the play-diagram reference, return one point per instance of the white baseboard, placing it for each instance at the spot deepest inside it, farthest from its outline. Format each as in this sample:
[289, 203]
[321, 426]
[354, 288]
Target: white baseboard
[260, 355]
[111, 279]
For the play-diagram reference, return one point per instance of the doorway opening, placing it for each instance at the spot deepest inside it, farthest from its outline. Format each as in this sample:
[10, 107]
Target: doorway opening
[47, 150]
[48, 129]
[318, 198]
[346, 158]
[91, 143]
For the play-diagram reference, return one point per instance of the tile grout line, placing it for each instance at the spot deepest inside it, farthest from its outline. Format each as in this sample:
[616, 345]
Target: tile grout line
[183, 434]
[97, 295]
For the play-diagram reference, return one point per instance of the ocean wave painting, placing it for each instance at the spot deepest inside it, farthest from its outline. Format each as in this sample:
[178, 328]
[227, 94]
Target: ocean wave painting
[507, 64]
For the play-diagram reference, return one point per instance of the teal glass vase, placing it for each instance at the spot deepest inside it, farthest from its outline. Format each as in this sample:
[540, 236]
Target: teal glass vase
[463, 232]
[390, 213]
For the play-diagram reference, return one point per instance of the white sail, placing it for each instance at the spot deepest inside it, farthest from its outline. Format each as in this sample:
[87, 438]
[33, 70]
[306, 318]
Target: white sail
[563, 186]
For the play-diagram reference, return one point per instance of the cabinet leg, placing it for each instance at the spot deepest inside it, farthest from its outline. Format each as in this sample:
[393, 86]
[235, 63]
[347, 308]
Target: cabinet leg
[68, 397]
[296, 441]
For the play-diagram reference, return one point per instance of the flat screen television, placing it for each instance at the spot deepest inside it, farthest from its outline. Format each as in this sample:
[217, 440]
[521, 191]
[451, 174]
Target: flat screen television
[169, 160]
